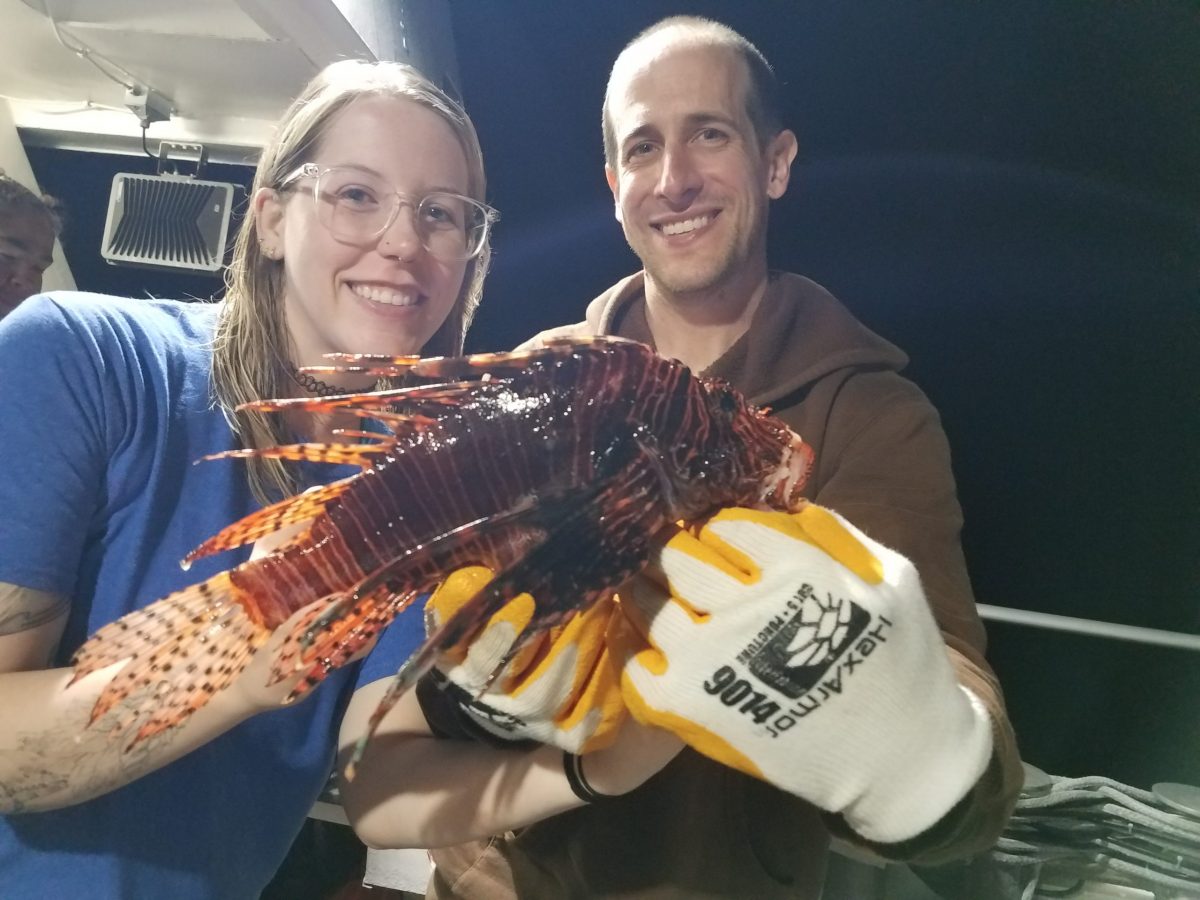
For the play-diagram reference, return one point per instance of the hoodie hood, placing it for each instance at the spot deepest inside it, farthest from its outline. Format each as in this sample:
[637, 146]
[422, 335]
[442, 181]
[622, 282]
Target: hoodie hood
[800, 333]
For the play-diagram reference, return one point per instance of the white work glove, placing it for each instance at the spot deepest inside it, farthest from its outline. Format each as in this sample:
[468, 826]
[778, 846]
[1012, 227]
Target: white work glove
[796, 649]
[561, 688]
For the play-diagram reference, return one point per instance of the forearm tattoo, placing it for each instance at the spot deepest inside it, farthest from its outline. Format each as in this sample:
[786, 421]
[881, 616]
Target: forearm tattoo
[95, 765]
[22, 609]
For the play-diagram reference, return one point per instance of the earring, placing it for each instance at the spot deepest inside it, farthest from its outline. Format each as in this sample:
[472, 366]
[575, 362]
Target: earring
[268, 252]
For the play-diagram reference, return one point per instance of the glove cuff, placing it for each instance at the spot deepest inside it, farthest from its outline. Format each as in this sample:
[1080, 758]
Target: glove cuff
[446, 707]
[949, 751]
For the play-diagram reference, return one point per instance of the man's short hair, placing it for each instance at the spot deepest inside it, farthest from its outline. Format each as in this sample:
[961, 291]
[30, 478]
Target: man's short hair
[15, 198]
[763, 106]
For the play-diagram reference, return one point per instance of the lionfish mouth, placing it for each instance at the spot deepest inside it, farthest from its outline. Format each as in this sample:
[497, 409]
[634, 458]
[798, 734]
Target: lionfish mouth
[783, 488]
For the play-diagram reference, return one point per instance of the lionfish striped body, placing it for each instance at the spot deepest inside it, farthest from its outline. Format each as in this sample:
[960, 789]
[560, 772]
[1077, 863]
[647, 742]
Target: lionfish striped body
[553, 467]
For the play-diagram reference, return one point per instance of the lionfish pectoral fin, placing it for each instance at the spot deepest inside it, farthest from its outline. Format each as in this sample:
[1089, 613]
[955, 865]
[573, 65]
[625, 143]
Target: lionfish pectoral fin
[270, 519]
[364, 436]
[287, 658]
[364, 400]
[448, 548]
[450, 394]
[349, 635]
[613, 517]
[181, 651]
[326, 641]
[474, 612]
[406, 678]
[416, 666]
[323, 619]
[378, 405]
[329, 636]
[320, 639]
[361, 455]
[520, 643]
[516, 660]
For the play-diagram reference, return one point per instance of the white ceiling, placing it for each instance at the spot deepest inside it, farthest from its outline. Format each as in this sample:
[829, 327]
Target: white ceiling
[228, 67]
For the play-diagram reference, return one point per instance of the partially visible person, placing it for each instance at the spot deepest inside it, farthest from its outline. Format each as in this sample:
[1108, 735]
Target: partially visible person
[28, 226]
[366, 231]
[894, 737]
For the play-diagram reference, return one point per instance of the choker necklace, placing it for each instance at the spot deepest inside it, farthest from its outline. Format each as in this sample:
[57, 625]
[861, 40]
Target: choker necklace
[316, 386]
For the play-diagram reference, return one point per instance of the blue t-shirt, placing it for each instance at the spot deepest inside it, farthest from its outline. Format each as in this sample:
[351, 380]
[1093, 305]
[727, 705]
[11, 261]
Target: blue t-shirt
[105, 406]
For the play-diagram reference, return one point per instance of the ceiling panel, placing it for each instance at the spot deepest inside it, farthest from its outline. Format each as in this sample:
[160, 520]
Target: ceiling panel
[227, 67]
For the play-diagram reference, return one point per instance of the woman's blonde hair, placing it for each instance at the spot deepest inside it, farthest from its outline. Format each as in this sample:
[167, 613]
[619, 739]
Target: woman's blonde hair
[252, 347]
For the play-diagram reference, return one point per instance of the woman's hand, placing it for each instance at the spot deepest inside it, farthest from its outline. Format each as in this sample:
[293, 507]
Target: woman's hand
[257, 685]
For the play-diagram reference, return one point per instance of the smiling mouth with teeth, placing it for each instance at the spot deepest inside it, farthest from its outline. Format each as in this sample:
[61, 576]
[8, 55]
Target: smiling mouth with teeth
[686, 226]
[386, 296]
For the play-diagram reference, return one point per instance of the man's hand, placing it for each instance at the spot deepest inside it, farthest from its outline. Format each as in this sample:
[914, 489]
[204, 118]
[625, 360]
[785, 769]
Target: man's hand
[798, 650]
[560, 688]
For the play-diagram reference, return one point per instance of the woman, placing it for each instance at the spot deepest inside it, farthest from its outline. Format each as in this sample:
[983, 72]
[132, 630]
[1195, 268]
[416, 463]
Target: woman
[349, 244]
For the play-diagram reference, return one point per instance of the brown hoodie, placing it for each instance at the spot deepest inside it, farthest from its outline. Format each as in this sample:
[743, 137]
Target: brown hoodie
[698, 829]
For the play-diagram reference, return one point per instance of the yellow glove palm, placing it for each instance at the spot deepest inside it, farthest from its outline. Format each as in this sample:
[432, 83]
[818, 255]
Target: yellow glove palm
[561, 688]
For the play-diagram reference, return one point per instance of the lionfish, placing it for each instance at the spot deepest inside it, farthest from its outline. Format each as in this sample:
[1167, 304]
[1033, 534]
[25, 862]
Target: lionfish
[515, 461]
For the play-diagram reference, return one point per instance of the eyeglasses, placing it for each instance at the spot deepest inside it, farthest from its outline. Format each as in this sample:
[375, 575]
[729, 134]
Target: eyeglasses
[357, 207]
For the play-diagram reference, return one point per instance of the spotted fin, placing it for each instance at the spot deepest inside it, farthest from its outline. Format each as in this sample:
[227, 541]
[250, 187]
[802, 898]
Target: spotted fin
[342, 639]
[181, 651]
[325, 640]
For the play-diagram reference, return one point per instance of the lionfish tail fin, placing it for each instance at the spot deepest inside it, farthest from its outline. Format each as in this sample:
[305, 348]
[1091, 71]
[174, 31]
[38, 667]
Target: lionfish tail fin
[181, 651]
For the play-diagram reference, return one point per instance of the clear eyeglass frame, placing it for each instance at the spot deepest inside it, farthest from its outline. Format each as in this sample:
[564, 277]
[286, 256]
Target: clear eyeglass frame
[361, 222]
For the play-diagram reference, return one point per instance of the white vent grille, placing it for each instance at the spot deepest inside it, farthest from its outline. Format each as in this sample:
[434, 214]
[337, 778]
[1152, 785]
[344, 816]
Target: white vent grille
[167, 221]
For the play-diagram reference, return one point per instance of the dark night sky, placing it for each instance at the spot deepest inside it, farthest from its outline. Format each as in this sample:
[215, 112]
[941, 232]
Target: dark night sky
[1007, 190]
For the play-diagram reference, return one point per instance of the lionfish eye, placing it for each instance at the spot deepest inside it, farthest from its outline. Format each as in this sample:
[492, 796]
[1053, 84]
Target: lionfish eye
[727, 403]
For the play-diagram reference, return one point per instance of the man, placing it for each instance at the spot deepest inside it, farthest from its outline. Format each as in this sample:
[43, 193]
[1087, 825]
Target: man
[695, 153]
[28, 227]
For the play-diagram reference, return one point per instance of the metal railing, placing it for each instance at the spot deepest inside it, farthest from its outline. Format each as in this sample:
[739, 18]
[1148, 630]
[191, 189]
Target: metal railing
[1091, 627]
